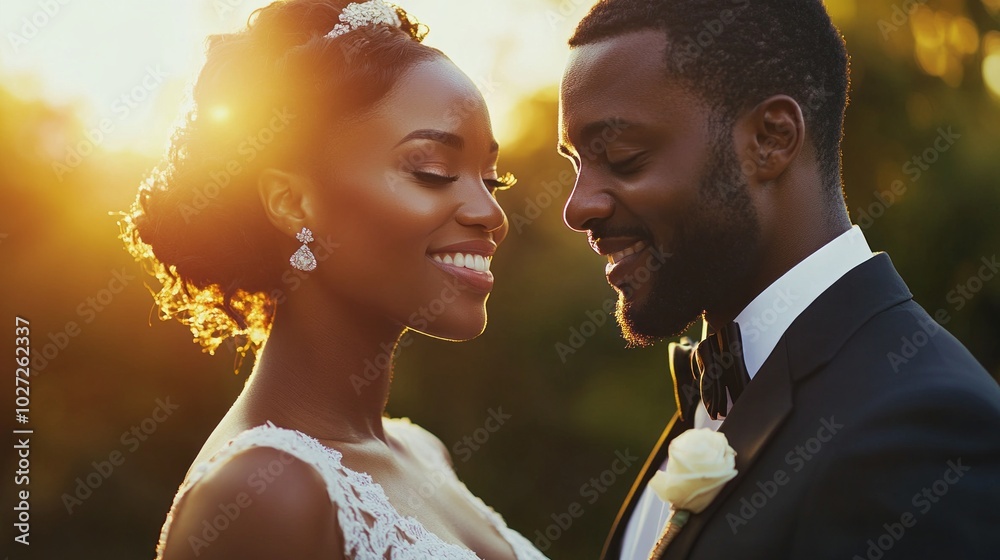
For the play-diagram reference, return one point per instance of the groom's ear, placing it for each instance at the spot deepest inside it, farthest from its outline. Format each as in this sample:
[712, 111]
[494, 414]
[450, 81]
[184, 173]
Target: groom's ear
[771, 135]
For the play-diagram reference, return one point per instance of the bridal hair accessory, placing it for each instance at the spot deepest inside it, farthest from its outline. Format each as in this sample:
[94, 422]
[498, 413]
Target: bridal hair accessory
[357, 15]
[304, 259]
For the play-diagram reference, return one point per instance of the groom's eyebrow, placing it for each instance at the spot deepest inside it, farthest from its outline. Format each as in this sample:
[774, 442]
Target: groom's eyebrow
[616, 125]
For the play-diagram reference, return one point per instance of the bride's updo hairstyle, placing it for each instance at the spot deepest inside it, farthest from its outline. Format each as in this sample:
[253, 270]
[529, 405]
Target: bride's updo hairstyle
[272, 95]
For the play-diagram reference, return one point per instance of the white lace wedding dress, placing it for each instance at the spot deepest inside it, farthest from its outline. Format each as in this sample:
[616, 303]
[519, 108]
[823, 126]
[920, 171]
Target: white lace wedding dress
[358, 498]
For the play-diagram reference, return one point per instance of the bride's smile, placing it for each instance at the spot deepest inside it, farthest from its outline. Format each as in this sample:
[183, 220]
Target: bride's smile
[468, 261]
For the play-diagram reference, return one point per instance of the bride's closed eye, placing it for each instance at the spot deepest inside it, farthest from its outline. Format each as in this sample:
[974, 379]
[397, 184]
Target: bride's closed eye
[433, 178]
[501, 183]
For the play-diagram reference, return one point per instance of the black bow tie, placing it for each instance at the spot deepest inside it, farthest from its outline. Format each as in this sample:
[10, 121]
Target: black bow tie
[719, 362]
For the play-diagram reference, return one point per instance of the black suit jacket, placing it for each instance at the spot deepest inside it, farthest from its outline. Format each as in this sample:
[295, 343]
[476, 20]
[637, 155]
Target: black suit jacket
[869, 433]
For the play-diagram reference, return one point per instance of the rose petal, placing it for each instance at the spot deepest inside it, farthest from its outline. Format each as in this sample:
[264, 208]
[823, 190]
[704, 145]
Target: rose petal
[700, 463]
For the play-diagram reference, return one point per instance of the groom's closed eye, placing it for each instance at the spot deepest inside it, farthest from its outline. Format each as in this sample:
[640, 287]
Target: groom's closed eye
[626, 163]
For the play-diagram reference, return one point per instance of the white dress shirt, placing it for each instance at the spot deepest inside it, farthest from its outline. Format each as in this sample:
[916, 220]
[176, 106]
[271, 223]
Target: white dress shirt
[762, 323]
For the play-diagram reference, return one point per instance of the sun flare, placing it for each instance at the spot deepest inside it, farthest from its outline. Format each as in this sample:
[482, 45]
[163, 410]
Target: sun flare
[97, 58]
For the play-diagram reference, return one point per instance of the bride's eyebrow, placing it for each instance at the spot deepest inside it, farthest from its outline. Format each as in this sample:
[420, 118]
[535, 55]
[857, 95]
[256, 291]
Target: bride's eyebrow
[453, 141]
[447, 138]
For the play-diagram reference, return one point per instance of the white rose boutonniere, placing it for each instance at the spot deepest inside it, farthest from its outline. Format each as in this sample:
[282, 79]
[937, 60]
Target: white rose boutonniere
[700, 463]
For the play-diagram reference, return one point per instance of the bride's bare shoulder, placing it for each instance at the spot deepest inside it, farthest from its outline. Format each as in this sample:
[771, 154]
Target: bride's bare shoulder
[259, 503]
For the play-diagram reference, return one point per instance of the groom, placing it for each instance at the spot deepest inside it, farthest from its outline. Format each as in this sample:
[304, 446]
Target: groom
[709, 131]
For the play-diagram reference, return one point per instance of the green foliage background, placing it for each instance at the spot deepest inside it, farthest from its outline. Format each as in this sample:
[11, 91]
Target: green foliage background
[568, 418]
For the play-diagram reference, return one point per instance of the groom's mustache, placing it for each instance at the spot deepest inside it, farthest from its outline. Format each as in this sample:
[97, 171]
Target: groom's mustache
[608, 232]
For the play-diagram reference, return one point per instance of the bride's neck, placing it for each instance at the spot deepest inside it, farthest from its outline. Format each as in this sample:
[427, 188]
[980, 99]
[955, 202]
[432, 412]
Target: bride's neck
[325, 370]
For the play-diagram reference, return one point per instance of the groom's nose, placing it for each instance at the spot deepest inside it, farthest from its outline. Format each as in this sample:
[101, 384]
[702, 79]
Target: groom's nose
[588, 202]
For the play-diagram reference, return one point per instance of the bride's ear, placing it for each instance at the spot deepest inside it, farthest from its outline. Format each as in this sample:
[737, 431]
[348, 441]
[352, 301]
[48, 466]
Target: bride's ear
[772, 136]
[287, 199]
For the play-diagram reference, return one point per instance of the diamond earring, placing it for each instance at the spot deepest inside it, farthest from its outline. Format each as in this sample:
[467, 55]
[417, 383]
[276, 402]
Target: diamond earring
[304, 259]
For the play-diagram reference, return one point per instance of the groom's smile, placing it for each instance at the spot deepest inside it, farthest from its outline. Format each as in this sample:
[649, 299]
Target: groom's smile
[660, 193]
[630, 251]
[623, 253]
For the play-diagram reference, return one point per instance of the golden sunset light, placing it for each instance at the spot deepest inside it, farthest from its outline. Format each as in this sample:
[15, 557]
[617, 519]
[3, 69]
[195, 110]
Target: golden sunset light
[722, 280]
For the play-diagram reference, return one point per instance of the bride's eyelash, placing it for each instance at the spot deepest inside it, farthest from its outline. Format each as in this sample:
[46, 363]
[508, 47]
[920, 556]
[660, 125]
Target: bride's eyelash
[434, 178]
[502, 183]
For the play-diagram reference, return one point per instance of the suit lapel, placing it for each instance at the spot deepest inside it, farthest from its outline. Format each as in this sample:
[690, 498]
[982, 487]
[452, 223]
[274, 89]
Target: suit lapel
[613, 544]
[686, 397]
[811, 341]
[764, 405]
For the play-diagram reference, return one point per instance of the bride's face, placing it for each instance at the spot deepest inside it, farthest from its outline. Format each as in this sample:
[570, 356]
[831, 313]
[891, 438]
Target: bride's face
[408, 197]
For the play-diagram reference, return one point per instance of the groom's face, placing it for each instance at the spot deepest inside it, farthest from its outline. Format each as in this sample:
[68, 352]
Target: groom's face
[659, 188]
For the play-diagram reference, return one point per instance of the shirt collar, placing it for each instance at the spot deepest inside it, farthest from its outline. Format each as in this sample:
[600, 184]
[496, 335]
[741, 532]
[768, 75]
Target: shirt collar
[765, 320]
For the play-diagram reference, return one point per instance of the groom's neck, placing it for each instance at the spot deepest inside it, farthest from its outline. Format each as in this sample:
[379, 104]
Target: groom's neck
[796, 227]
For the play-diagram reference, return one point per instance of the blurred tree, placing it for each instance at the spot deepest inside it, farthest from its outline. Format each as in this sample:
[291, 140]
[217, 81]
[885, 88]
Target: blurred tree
[576, 398]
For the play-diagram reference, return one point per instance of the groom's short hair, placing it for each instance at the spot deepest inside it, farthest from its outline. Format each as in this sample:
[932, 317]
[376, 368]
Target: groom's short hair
[736, 53]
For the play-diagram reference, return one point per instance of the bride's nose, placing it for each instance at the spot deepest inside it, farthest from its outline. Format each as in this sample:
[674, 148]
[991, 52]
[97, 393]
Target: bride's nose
[480, 209]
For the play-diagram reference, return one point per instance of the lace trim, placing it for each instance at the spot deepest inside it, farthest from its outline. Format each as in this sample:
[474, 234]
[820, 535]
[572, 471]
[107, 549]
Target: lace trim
[523, 548]
[371, 526]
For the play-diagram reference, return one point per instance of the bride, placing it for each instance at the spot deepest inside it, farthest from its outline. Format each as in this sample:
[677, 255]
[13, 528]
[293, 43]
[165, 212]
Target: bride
[332, 187]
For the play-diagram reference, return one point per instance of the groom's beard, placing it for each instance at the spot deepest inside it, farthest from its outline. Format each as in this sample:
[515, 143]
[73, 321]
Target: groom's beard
[713, 250]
